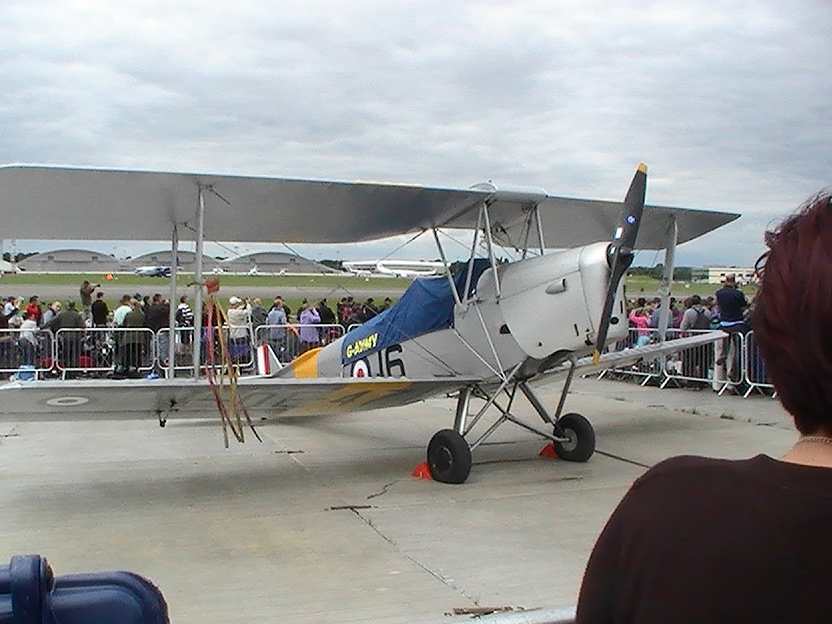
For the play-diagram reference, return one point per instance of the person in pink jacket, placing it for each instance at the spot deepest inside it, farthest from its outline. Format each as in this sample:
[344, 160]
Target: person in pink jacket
[639, 318]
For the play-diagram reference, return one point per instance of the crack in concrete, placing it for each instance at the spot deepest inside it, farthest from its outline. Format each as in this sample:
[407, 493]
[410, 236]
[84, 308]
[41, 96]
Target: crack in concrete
[415, 561]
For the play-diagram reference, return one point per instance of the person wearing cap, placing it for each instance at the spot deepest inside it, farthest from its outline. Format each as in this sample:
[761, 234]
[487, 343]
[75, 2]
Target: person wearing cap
[239, 330]
[69, 342]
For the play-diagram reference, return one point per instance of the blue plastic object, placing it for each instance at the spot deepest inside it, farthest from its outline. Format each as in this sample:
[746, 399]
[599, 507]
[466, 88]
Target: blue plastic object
[30, 594]
[427, 305]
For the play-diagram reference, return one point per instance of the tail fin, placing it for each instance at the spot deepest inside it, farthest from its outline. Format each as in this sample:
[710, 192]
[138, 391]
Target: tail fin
[267, 362]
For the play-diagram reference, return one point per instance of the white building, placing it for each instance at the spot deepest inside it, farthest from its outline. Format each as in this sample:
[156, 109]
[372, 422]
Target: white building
[717, 275]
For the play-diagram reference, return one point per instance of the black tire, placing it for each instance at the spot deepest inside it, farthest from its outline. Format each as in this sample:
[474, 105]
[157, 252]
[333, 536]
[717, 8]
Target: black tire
[449, 457]
[581, 438]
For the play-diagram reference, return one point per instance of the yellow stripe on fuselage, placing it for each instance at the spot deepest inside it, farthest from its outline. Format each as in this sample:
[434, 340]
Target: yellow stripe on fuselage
[305, 366]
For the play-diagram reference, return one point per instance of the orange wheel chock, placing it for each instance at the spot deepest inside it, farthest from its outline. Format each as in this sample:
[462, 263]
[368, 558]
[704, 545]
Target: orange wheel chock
[548, 452]
[422, 471]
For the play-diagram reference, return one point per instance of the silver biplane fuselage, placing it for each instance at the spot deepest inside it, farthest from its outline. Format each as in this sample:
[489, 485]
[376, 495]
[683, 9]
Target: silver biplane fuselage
[545, 311]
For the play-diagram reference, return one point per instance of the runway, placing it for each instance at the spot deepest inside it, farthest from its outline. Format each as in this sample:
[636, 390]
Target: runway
[322, 522]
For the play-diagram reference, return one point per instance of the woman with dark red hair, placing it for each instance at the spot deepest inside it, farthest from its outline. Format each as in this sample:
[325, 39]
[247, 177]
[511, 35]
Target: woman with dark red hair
[708, 540]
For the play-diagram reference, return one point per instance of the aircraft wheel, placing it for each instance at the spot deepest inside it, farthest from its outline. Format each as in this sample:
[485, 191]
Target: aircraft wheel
[580, 443]
[449, 457]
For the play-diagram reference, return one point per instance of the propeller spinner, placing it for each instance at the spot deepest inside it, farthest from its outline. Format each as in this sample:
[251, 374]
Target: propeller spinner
[621, 250]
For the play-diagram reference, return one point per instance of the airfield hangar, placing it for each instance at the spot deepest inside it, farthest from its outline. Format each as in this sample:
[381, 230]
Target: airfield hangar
[273, 262]
[73, 261]
[187, 261]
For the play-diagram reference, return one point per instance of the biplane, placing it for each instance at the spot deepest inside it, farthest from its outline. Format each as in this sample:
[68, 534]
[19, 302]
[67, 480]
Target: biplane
[488, 332]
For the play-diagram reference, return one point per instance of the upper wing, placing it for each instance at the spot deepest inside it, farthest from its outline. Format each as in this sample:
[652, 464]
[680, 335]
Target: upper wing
[569, 222]
[112, 400]
[144, 205]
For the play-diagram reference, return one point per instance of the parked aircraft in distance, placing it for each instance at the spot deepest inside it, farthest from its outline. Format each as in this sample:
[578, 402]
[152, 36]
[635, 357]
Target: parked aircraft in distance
[152, 271]
[395, 268]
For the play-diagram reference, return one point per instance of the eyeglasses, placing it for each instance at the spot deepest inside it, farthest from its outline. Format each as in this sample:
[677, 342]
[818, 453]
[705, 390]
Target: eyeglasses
[760, 265]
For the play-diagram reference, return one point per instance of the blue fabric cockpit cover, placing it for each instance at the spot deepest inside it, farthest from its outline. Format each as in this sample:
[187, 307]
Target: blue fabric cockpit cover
[427, 305]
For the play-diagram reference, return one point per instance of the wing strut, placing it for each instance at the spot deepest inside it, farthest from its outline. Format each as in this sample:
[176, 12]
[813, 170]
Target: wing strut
[667, 276]
[491, 257]
[447, 266]
[200, 232]
[174, 274]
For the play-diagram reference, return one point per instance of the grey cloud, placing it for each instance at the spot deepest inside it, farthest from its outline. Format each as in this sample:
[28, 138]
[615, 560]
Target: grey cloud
[728, 103]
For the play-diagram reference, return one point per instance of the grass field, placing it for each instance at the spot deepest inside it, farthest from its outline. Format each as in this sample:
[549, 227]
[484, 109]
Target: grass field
[642, 286]
[349, 282]
[637, 285]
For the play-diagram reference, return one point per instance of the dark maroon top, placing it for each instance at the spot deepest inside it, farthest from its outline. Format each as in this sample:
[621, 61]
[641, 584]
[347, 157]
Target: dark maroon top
[708, 541]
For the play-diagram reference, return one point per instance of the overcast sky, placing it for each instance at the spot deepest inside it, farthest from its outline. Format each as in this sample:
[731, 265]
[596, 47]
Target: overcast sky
[729, 103]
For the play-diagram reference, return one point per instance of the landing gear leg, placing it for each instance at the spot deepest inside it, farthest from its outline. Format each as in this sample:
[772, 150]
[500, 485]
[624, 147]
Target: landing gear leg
[573, 436]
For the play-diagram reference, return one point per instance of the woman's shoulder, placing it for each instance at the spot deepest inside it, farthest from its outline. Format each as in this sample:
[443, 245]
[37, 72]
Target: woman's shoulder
[760, 471]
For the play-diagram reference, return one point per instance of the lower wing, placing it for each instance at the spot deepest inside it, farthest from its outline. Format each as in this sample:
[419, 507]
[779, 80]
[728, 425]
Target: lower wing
[101, 399]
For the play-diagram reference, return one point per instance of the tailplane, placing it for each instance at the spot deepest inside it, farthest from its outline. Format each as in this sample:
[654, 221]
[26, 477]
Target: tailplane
[267, 363]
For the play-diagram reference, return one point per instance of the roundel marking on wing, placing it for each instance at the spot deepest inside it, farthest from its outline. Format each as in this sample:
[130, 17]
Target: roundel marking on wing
[360, 369]
[67, 401]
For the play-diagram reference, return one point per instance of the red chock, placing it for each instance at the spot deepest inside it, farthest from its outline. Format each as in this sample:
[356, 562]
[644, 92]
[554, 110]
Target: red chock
[548, 452]
[422, 471]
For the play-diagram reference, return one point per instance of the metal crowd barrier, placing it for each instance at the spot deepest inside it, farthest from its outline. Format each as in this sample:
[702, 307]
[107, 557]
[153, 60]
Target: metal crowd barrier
[725, 364]
[99, 349]
[721, 365]
[240, 348]
[756, 377]
[286, 342]
[645, 370]
[24, 357]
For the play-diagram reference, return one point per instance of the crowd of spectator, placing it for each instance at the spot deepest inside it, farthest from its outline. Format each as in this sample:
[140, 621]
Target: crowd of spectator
[726, 308]
[140, 319]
